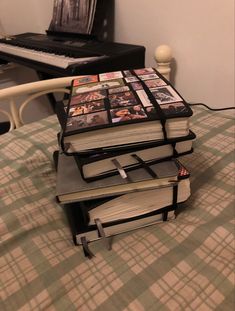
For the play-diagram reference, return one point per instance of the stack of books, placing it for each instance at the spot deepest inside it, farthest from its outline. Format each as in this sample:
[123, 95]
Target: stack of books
[118, 168]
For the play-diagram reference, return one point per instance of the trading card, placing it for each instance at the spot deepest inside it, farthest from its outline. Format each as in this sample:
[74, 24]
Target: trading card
[148, 77]
[165, 95]
[97, 118]
[136, 86]
[110, 75]
[87, 120]
[86, 108]
[144, 71]
[119, 89]
[131, 79]
[151, 112]
[127, 73]
[85, 79]
[122, 99]
[152, 84]
[144, 98]
[97, 86]
[87, 97]
[174, 108]
[127, 113]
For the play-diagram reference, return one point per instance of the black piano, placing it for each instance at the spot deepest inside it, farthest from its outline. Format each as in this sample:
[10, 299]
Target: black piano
[57, 54]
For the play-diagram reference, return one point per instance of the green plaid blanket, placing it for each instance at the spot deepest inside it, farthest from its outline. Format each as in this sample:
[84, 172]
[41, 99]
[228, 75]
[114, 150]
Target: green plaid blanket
[185, 264]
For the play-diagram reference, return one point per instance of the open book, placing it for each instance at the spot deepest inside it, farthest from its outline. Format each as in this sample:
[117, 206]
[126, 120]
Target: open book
[117, 109]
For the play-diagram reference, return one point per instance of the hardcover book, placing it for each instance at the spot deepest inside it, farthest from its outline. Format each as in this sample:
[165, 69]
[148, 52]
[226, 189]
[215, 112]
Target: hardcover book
[119, 109]
[71, 187]
[91, 220]
[89, 231]
[104, 164]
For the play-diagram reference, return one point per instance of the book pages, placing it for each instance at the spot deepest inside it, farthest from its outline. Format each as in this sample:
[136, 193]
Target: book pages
[139, 203]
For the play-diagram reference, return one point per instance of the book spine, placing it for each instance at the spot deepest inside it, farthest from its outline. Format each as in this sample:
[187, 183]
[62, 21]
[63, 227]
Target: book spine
[128, 168]
[129, 225]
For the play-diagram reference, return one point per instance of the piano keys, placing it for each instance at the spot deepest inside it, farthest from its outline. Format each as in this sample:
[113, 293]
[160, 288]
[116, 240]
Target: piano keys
[53, 59]
[57, 54]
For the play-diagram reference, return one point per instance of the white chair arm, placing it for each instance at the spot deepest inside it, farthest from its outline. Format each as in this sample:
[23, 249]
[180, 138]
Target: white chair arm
[32, 91]
[33, 87]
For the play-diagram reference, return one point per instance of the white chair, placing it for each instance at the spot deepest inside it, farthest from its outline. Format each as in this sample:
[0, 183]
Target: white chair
[58, 85]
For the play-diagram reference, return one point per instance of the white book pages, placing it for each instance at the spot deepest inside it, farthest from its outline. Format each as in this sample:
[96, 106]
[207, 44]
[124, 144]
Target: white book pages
[160, 152]
[126, 134]
[139, 203]
[125, 227]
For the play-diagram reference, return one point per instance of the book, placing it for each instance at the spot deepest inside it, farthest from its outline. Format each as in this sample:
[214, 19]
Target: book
[119, 214]
[119, 109]
[91, 233]
[139, 203]
[71, 187]
[103, 165]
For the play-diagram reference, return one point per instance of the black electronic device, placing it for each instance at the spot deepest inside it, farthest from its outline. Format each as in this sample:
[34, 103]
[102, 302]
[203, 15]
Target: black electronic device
[58, 54]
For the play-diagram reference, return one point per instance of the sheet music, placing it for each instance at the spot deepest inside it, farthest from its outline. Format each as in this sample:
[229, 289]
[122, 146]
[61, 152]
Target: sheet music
[91, 15]
[73, 16]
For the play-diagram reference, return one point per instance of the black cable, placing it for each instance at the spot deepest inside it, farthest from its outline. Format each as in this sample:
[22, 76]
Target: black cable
[213, 109]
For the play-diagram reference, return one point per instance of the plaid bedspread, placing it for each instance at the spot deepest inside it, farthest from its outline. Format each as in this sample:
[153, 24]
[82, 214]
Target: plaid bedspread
[186, 264]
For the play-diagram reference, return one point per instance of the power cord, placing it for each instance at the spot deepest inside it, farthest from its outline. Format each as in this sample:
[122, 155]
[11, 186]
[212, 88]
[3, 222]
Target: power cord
[213, 109]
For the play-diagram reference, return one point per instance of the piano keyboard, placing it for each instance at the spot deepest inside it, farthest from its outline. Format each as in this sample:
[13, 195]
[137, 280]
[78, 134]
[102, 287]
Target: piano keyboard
[60, 61]
[57, 54]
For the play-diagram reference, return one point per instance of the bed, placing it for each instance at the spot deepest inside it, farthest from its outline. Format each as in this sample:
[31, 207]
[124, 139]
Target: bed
[184, 264]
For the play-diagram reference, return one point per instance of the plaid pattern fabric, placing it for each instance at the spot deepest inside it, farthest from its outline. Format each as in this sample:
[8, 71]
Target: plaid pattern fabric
[185, 264]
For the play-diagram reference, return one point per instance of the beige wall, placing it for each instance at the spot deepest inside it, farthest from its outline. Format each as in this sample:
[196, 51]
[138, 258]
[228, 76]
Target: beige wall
[200, 32]
[18, 16]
